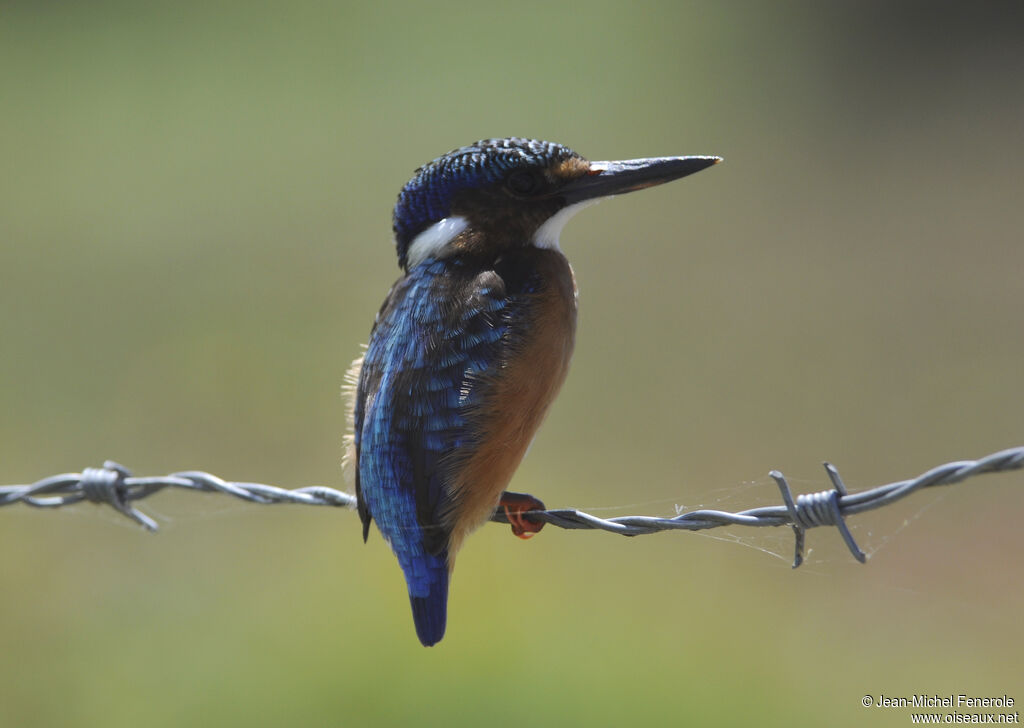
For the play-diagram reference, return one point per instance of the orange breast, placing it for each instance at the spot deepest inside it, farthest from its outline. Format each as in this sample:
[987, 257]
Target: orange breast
[518, 397]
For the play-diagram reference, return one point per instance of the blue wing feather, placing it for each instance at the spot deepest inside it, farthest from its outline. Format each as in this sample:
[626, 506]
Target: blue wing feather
[440, 330]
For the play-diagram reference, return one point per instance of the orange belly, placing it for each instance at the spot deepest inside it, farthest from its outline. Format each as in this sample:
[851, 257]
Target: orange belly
[517, 400]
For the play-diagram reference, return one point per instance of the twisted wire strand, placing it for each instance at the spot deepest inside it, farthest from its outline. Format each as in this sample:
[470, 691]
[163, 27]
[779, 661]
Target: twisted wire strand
[114, 485]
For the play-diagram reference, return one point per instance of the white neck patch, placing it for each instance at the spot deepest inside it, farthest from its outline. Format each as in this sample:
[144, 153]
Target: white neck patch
[547, 234]
[434, 241]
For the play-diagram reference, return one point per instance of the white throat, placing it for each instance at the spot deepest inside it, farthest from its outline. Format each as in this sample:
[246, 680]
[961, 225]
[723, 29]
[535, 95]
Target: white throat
[435, 241]
[547, 234]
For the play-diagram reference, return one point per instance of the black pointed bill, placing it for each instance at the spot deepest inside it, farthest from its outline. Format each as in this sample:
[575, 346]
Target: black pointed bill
[617, 178]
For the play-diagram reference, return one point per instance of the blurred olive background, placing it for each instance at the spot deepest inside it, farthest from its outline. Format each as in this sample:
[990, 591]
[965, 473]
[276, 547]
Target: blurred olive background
[195, 209]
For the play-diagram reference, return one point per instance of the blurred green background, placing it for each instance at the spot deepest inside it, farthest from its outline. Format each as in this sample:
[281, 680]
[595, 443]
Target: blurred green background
[195, 209]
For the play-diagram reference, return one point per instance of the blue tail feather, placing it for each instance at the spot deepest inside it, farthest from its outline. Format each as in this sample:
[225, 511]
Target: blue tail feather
[430, 613]
[427, 578]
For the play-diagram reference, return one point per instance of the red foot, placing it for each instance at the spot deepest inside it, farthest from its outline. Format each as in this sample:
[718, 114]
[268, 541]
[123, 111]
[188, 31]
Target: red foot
[517, 507]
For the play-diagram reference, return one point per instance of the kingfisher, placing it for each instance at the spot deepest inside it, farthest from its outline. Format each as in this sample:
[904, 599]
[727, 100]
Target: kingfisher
[471, 347]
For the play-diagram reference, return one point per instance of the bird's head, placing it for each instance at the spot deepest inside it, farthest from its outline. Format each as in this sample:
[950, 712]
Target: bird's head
[498, 194]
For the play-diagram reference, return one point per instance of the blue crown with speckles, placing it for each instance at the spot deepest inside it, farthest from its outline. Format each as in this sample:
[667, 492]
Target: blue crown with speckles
[426, 198]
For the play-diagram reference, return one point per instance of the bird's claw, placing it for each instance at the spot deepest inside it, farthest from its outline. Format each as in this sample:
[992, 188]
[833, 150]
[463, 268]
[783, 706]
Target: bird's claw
[517, 507]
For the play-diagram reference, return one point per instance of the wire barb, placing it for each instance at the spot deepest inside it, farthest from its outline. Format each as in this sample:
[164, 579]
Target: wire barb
[106, 485]
[114, 485]
[817, 509]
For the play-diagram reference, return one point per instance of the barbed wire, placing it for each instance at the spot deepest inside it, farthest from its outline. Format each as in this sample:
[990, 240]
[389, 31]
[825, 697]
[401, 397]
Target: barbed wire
[114, 485]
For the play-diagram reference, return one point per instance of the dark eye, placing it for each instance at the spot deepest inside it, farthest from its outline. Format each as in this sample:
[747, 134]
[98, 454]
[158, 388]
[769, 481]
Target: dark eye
[523, 183]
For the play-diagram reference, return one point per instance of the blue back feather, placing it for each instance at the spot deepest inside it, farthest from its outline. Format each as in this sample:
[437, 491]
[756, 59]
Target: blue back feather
[422, 370]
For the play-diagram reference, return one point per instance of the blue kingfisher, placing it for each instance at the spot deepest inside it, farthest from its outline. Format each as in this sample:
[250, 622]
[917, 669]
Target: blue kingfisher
[471, 346]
